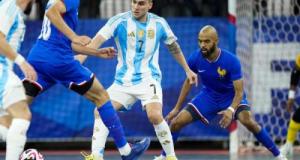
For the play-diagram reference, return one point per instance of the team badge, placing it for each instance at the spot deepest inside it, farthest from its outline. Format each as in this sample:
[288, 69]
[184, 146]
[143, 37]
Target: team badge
[221, 72]
[151, 33]
[141, 33]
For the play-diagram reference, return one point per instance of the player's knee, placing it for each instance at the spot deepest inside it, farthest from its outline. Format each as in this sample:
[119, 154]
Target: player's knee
[155, 118]
[20, 110]
[175, 125]
[250, 124]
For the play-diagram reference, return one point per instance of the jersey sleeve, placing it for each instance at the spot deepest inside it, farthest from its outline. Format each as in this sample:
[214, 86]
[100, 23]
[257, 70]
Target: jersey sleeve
[236, 70]
[109, 28]
[8, 14]
[168, 35]
[192, 62]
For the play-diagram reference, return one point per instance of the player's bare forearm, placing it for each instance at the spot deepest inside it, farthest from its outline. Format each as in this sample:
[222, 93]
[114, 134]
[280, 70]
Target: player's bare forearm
[54, 15]
[176, 51]
[239, 92]
[186, 87]
[86, 50]
[6, 49]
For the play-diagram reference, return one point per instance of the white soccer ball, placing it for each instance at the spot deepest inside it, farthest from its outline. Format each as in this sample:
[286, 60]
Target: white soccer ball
[31, 154]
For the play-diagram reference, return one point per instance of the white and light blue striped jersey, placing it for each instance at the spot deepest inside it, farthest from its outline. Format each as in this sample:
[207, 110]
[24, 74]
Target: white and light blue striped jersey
[12, 26]
[138, 46]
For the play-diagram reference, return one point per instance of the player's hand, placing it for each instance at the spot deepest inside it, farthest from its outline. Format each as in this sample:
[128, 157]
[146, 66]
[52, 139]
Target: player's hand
[28, 71]
[81, 40]
[108, 52]
[226, 119]
[192, 77]
[290, 104]
[172, 115]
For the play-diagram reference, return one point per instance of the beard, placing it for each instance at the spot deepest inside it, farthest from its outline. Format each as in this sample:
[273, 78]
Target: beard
[208, 52]
[28, 8]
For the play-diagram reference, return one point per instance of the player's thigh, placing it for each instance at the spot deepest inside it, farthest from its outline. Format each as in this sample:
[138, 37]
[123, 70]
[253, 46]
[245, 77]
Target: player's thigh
[120, 96]
[182, 119]
[19, 110]
[203, 107]
[43, 82]
[149, 92]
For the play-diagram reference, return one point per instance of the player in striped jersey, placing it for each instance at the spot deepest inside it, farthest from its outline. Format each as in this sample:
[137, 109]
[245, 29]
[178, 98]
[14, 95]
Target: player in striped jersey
[294, 126]
[12, 94]
[137, 34]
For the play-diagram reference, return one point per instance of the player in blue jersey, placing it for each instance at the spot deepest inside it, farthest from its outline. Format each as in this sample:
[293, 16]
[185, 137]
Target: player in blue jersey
[53, 59]
[12, 95]
[222, 92]
[138, 34]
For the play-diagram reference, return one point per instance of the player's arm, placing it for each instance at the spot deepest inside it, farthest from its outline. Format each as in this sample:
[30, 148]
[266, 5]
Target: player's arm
[176, 51]
[7, 51]
[295, 76]
[54, 14]
[92, 49]
[238, 96]
[186, 87]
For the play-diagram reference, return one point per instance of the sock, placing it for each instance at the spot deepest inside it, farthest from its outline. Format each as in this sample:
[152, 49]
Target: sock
[16, 138]
[175, 136]
[113, 123]
[164, 136]
[3, 132]
[294, 127]
[263, 137]
[100, 134]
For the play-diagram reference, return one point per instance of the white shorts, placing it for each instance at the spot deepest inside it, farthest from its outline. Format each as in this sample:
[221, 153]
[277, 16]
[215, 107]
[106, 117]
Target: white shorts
[11, 89]
[147, 92]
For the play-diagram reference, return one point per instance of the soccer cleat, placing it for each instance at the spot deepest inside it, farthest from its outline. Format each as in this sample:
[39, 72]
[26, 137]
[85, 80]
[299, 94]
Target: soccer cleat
[171, 158]
[160, 157]
[137, 149]
[90, 156]
[287, 149]
[281, 157]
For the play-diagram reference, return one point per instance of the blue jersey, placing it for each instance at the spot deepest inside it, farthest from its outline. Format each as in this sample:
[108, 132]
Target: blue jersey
[217, 77]
[138, 46]
[52, 39]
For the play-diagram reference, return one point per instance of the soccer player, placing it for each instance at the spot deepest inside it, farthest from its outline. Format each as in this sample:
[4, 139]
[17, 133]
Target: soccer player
[294, 126]
[53, 59]
[12, 94]
[137, 34]
[222, 92]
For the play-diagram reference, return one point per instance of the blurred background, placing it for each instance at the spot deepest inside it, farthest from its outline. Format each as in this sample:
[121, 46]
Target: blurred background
[265, 35]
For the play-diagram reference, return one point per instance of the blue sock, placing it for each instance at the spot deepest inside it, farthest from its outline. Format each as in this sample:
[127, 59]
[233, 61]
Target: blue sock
[263, 137]
[113, 123]
[175, 136]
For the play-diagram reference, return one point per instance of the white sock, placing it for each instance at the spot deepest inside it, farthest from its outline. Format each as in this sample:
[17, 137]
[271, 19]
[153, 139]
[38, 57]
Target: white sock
[164, 136]
[100, 134]
[16, 138]
[3, 132]
[125, 150]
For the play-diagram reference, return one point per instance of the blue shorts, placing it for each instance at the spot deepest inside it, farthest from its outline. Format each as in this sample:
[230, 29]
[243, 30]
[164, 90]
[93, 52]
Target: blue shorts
[205, 106]
[71, 72]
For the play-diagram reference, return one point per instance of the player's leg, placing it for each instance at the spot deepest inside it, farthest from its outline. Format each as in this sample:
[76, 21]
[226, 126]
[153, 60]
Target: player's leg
[100, 134]
[14, 103]
[182, 119]
[5, 121]
[244, 115]
[294, 127]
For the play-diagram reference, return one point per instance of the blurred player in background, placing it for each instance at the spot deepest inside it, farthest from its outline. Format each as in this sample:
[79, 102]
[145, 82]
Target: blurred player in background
[137, 34]
[12, 94]
[294, 126]
[222, 92]
[53, 59]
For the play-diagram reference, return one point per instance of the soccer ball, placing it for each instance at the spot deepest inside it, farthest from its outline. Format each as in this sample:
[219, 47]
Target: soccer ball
[31, 154]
